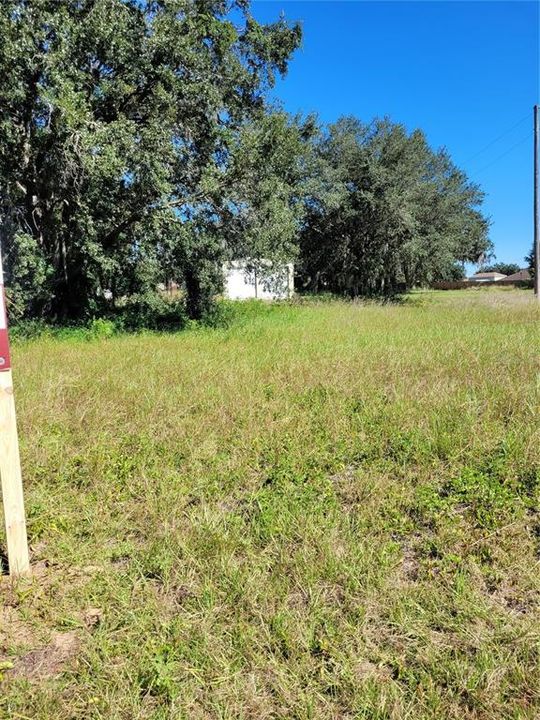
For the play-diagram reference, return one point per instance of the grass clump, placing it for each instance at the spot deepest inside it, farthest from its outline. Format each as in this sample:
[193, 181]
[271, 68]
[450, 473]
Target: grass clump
[312, 510]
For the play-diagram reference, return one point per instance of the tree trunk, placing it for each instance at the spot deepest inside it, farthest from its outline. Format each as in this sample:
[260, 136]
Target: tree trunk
[199, 301]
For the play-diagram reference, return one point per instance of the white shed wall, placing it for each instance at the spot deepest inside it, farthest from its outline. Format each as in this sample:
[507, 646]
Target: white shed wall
[241, 284]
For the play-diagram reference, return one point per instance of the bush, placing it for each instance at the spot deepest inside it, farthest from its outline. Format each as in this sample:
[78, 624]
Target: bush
[28, 330]
[146, 312]
[100, 328]
[152, 311]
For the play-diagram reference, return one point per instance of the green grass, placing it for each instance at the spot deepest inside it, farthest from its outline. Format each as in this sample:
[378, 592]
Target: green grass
[324, 511]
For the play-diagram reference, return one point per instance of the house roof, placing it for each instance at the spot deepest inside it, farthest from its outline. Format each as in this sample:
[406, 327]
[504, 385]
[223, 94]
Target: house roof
[487, 276]
[523, 274]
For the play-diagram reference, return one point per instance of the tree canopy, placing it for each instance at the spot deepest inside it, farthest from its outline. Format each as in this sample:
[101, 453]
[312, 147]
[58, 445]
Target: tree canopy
[118, 119]
[501, 267]
[530, 260]
[139, 146]
[390, 212]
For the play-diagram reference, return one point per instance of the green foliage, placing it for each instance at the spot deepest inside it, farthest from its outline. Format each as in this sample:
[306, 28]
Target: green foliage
[102, 329]
[530, 259]
[388, 213]
[138, 149]
[27, 330]
[500, 267]
[486, 496]
[151, 311]
[119, 122]
[157, 678]
[28, 277]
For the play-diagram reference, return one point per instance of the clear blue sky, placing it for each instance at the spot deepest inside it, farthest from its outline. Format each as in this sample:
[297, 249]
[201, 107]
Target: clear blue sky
[464, 72]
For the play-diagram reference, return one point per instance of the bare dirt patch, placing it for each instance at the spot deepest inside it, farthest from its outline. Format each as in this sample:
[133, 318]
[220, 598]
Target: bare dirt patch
[410, 565]
[369, 670]
[49, 660]
[14, 632]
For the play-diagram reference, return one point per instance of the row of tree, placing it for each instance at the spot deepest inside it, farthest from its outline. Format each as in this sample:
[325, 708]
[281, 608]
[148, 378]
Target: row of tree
[138, 146]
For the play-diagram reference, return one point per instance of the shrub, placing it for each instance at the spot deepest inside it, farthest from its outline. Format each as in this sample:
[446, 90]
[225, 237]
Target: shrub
[100, 328]
[151, 311]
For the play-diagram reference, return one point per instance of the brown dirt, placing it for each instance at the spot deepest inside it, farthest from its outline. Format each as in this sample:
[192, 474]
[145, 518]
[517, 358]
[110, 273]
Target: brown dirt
[92, 617]
[14, 632]
[367, 669]
[49, 660]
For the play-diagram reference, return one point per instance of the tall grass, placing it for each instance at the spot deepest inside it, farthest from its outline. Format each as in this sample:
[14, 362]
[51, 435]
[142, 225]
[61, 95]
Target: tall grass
[320, 511]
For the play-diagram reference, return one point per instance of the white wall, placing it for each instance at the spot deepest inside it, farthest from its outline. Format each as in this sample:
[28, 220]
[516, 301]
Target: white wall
[241, 284]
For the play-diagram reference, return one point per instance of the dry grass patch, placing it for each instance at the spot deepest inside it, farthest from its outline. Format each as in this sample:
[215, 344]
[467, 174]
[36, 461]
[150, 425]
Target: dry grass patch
[327, 511]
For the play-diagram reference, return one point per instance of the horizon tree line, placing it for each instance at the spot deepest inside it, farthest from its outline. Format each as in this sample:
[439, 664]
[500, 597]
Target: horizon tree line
[139, 146]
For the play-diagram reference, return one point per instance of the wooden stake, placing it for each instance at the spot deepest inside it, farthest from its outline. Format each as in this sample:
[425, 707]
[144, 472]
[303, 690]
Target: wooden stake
[10, 472]
[10, 465]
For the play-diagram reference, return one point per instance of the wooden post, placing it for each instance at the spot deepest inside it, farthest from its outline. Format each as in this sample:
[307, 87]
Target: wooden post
[10, 465]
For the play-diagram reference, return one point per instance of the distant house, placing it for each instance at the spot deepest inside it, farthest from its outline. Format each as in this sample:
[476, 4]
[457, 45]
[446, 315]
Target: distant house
[243, 281]
[520, 276]
[483, 277]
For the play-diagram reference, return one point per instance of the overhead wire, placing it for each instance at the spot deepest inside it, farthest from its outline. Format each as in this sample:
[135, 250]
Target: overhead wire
[504, 154]
[496, 140]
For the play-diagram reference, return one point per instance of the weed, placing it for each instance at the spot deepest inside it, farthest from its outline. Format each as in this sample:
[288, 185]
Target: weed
[309, 510]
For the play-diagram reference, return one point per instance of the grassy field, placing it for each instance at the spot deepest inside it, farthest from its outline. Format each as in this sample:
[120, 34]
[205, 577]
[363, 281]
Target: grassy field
[324, 511]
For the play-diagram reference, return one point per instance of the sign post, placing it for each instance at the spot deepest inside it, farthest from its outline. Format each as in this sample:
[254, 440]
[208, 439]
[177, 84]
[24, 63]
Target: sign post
[10, 465]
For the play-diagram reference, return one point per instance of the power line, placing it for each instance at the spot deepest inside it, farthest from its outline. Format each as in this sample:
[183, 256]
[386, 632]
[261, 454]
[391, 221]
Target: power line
[499, 137]
[504, 154]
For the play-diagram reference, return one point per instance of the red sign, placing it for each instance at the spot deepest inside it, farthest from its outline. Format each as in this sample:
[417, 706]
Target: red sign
[5, 360]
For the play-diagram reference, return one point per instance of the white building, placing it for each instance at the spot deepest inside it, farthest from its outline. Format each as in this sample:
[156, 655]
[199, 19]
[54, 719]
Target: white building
[243, 282]
[481, 277]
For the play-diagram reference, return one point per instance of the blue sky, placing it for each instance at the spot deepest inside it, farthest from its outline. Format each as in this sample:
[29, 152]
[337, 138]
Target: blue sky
[465, 72]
